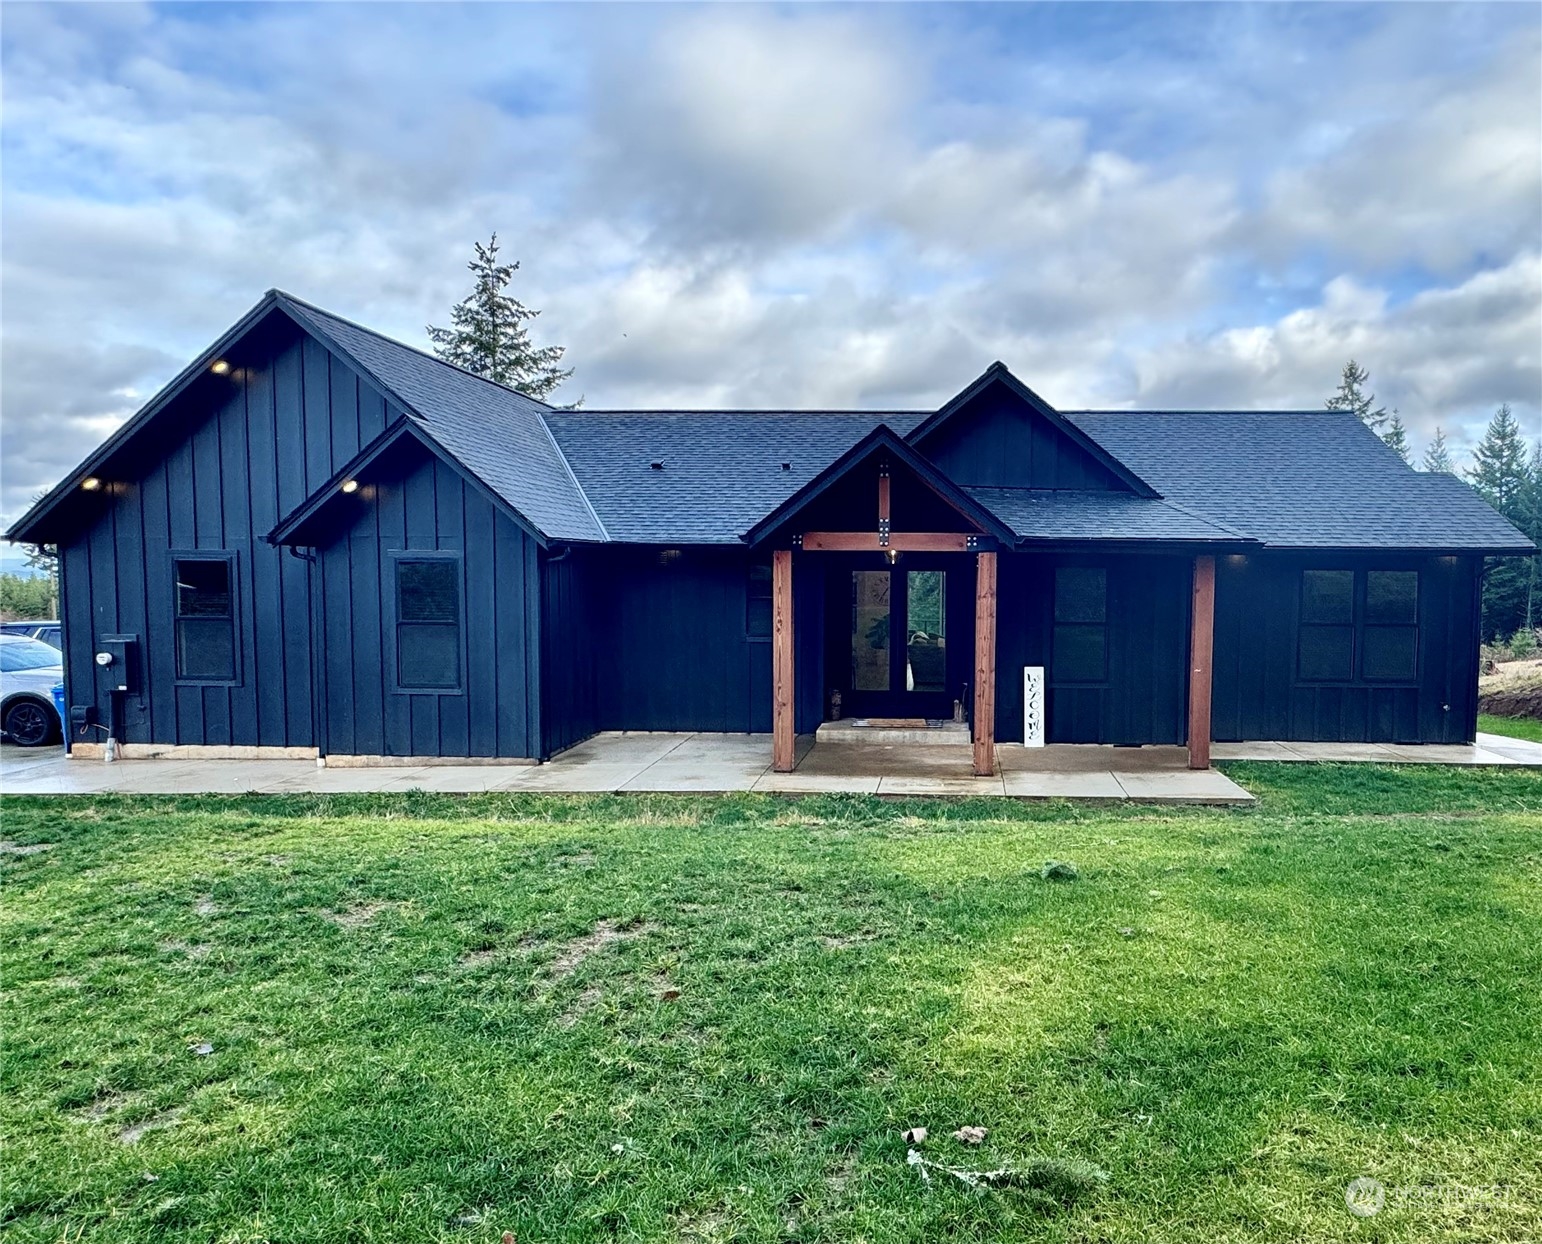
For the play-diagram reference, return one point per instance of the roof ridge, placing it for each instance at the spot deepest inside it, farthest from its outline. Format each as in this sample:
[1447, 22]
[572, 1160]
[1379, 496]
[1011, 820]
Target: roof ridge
[733, 410]
[1313, 410]
[428, 354]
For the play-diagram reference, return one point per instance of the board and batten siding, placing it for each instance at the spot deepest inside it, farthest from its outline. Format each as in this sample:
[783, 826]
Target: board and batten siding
[1258, 694]
[1144, 696]
[659, 639]
[429, 507]
[233, 455]
[998, 441]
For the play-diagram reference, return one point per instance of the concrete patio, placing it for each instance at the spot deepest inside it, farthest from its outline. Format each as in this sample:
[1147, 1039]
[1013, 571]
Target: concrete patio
[719, 763]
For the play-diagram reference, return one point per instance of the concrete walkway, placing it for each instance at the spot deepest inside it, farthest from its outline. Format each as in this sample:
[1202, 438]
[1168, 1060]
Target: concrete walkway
[718, 763]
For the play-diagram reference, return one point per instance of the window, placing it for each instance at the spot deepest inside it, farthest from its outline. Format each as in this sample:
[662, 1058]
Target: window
[205, 619]
[1384, 631]
[757, 603]
[428, 623]
[1079, 652]
[1326, 647]
[1390, 651]
[19, 655]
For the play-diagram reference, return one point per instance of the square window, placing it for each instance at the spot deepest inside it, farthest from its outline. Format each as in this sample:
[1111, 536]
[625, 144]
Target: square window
[1079, 654]
[1081, 594]
[427, 591]
[1327, 653]
[1328, 597]
[1392, 596]
[1391, 653]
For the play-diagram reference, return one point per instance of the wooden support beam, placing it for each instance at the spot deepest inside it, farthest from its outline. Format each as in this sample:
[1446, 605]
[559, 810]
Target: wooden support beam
[782, 736]
[898, 541]
[1201, 661]
[985, 665]
[884, 516]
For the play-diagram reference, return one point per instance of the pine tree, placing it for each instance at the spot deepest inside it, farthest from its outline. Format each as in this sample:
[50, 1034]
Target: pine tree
[1396, 436]
[1351, 395]
[1500, 471]
[1502, 476]
[489, 336]
[1437, 458]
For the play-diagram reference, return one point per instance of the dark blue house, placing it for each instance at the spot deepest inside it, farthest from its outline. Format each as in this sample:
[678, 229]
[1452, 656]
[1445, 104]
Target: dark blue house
[318, 538]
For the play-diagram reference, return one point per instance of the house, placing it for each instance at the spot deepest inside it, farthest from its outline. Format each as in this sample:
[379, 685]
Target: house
[317, 538]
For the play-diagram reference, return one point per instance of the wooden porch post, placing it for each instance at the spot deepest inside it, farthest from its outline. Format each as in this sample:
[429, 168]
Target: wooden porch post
[1201, 661]
[985, 665]
[781, 662]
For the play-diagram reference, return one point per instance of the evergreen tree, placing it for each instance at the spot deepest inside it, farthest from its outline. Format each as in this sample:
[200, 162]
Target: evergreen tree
[1437, 458]
[1500, 471]
[1351, 395]
[489, 333]
[1396, 436]
[1503, 477]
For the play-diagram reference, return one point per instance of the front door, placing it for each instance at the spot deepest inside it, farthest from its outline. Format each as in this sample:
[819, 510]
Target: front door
[899, 655]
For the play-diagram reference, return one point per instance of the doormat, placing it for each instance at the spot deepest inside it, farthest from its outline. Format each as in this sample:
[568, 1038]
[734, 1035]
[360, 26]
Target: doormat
[899, 723]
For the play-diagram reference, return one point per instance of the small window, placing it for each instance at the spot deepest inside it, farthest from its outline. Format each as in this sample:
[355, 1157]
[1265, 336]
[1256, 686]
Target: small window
[1328, 597]
[1080, 647]
[428, 624]
[205, 620]
[1391, 597]
[757, 603]
[1327, 653]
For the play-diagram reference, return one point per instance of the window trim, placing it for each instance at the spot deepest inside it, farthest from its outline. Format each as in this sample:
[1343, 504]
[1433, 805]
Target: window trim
[1056, 626]
[231, 558]
[397, 557]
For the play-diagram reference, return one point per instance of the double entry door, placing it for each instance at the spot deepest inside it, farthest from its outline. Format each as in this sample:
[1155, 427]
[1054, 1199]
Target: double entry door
[902, 660]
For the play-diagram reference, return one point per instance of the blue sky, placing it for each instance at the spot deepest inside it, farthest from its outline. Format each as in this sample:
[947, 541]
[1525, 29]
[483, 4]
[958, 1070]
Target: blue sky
[1149, 205]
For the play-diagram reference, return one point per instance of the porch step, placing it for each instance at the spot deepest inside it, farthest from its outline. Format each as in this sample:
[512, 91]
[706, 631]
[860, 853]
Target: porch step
[909, 731]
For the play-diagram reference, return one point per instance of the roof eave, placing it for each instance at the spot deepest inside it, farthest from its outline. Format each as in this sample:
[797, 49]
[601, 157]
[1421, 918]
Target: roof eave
[23, 529]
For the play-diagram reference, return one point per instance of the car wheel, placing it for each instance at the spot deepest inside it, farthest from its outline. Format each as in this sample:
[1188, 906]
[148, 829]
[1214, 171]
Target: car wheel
[30, 723]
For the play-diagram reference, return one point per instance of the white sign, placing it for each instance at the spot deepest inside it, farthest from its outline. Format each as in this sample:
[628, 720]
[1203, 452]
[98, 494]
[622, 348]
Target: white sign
[1033, 706]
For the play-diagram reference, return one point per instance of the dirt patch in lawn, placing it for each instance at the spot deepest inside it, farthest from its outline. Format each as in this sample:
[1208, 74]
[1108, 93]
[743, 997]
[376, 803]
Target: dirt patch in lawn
[605, 933]
[135, 1132]
[193, 950]
[18, 848]
[357, 915]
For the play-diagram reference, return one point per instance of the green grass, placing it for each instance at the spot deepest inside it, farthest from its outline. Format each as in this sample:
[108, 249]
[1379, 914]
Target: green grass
[1230, 1012]
[1513, 727]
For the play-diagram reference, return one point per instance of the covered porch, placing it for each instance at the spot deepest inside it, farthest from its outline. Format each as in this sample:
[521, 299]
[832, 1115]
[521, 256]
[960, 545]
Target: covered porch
[901, 599]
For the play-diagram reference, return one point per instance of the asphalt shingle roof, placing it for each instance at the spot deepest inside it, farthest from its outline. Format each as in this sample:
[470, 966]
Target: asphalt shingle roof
[722, 469]
[499, 435]
[1048, 514]
[1297, 479]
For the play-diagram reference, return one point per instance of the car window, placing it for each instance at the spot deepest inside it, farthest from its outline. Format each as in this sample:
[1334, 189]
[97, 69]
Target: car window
[27, 654]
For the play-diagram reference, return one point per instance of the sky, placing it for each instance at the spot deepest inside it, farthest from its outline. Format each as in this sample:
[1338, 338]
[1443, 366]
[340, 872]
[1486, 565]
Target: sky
[1148, 206]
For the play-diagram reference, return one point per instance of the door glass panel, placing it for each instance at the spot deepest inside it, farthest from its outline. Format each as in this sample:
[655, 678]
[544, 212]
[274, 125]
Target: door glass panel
[870, 595]
[926, 631]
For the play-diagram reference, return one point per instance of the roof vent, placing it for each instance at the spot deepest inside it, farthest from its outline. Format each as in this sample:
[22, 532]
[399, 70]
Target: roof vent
[657, 464]
[786, 466]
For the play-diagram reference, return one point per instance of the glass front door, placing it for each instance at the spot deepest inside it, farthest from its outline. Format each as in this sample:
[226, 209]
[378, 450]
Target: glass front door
[899, 644]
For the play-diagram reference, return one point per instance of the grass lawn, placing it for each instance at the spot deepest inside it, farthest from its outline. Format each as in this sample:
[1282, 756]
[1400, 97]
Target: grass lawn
[660, 1018]
[1512, 727]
